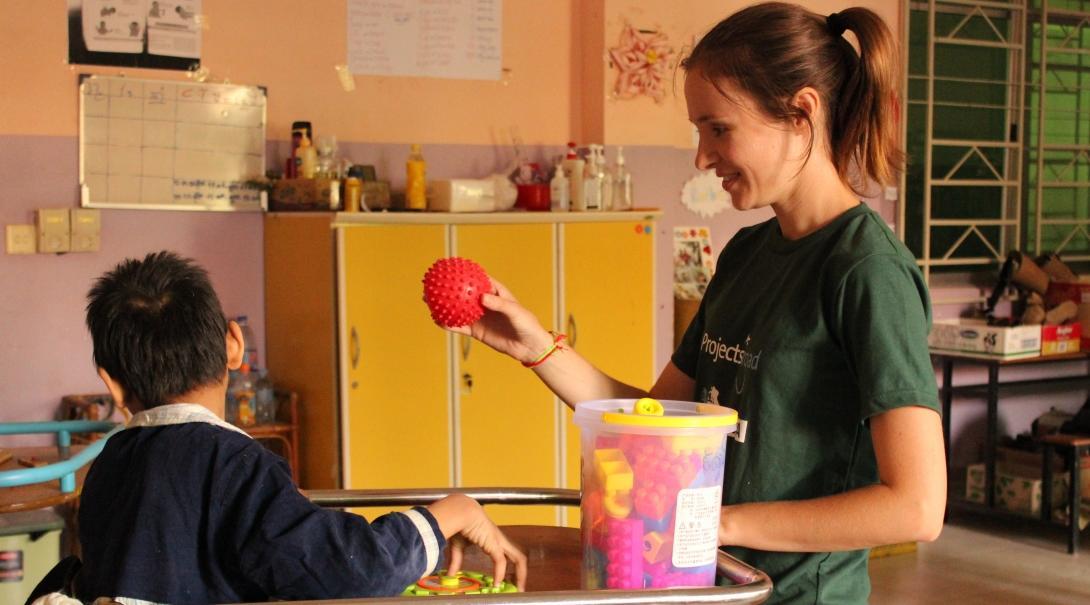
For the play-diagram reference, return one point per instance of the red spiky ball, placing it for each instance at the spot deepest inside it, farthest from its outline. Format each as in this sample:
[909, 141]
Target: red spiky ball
[453, 288]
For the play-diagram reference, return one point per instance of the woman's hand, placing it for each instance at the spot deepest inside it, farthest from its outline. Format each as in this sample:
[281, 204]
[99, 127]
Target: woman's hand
[507, 326]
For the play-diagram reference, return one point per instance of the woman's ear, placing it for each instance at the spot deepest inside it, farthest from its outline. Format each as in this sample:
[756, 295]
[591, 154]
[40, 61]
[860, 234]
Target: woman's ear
[236, 346]
[808, 102]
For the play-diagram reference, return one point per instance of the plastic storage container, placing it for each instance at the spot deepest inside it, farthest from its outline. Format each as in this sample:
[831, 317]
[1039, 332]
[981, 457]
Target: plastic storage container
[652, 475]
[30, 545]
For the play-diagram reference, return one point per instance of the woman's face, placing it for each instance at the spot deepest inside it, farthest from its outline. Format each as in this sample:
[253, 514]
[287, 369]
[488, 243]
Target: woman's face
[758, 159]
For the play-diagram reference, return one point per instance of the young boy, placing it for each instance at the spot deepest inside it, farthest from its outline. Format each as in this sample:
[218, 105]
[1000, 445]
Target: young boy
[182, 507]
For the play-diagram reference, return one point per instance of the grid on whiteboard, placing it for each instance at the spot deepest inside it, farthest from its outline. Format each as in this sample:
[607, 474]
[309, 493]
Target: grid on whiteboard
[173, 145]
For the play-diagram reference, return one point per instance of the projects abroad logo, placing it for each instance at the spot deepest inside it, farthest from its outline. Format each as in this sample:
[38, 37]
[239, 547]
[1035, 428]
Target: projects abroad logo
[736, 354]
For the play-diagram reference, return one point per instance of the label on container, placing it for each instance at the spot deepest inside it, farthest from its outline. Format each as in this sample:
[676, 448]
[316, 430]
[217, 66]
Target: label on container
[11, 566]
[696, 526]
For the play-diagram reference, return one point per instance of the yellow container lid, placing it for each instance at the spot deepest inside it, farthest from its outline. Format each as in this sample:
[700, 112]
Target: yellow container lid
[649, 412]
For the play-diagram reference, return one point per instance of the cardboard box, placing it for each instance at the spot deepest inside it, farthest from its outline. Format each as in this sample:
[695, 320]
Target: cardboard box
[1015, 493]
[1057, 340]
[1028, 464]
[1059, 291]
[305, 194]
[976, 336]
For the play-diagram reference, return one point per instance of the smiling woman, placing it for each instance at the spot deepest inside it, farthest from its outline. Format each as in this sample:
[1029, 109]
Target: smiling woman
[814, 325]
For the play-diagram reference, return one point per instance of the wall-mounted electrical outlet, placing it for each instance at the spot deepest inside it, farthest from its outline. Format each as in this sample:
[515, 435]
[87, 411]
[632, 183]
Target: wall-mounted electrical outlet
[21, 239]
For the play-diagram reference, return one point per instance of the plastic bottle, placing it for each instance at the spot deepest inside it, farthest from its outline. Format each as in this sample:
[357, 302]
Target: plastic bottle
[416, 180]
[353, 189]
[230, 409]
[573, 169]
[265, 398]
[308, 158]
[622, 184]
[606, 178]
[249, 347]
[559, 191]
[299, 130]
[244, 393]
[592, 184]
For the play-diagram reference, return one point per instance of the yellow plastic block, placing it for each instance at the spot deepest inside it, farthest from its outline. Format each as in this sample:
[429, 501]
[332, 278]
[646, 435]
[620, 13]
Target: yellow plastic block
[614, 473]
[615, 478]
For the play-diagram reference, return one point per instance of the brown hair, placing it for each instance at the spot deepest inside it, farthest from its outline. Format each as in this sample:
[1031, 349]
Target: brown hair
[773, 50]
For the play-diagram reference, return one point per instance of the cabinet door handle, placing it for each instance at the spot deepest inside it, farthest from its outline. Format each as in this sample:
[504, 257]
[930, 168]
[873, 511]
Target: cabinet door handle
[467, 342]
[354, 347]
[573, 333]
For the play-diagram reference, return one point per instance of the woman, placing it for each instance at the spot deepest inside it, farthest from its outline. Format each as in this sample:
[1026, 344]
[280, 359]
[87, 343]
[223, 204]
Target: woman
[814, 326]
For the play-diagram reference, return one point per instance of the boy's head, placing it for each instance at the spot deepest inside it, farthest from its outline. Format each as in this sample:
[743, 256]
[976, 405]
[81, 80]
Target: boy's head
[158, 330]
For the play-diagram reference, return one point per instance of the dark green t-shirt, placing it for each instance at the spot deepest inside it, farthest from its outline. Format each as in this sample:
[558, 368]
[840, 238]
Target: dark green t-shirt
[808, 339]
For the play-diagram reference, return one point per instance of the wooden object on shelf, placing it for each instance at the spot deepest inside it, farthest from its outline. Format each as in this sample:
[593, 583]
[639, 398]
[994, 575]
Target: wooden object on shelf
[284, 431]
[990, 391]
[1074, 447]
[93, 406]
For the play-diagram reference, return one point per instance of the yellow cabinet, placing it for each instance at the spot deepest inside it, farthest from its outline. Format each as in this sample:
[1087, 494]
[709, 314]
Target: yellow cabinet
[506, 417]
[395, 418]
[416, 406]
[608, 311]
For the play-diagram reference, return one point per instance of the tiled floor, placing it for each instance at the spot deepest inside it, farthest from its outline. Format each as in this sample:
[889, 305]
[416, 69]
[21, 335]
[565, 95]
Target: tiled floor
[985, 561]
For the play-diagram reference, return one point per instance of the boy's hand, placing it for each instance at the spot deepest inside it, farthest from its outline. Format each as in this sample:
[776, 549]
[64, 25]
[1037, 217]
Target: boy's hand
[463, 520]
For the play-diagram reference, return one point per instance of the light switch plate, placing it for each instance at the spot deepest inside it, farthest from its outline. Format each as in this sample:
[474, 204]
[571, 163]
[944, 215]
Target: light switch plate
[85, 229]
[20, 239]
[53, 230]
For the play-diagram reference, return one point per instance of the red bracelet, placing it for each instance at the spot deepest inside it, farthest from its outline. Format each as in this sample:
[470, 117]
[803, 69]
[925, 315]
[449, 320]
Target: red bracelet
[540, 359]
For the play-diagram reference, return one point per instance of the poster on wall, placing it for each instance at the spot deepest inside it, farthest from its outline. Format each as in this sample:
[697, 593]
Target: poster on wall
[452, 39]
[162, 34]
[693, 262]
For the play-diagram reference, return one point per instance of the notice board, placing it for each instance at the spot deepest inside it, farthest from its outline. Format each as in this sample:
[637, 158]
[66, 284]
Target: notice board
[155, 144]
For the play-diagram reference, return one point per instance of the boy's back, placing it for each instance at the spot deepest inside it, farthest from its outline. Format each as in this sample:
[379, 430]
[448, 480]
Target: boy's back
[197, 512]
[182, 507]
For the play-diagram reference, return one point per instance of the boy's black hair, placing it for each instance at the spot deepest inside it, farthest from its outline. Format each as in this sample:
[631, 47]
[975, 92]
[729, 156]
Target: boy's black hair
[158, 328]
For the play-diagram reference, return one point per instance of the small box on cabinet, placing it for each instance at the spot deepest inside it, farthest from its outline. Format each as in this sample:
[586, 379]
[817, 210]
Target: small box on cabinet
[976, 336]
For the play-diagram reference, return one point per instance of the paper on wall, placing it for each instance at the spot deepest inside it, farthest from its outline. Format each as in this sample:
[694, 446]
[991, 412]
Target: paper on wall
[452, 39]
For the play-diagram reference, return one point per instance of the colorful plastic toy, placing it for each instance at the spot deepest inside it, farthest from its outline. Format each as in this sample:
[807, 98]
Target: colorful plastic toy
[652, 475]
[464, 582]
[452, 290]
[624, 553]
[660, 576]
[615, 477]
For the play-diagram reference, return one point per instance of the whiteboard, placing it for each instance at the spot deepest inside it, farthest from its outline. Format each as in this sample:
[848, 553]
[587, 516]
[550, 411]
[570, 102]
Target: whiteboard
[155, 144]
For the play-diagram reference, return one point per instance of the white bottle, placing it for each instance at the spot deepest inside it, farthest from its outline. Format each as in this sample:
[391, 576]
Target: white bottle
[592, 182]
[622, 184]
[573, 169]
[560, 191]
[607, 179]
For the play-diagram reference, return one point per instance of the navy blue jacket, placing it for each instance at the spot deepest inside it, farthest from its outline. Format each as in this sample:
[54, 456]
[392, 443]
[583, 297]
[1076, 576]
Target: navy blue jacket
[198, 513]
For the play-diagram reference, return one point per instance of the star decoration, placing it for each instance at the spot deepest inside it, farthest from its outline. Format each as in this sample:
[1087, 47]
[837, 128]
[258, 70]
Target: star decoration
[644, 59]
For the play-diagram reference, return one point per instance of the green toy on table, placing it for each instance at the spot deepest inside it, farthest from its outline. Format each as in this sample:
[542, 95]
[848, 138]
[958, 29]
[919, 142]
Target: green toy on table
[463, 582]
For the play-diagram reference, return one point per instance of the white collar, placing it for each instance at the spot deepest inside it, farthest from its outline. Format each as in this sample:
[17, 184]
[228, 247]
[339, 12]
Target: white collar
[179, 413]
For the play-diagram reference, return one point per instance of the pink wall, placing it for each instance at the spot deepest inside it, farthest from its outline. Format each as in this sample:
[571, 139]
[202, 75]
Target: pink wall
[45, 351]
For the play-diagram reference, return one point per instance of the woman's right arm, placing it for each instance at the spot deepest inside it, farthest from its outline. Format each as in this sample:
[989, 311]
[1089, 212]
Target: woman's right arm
[511, 329]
